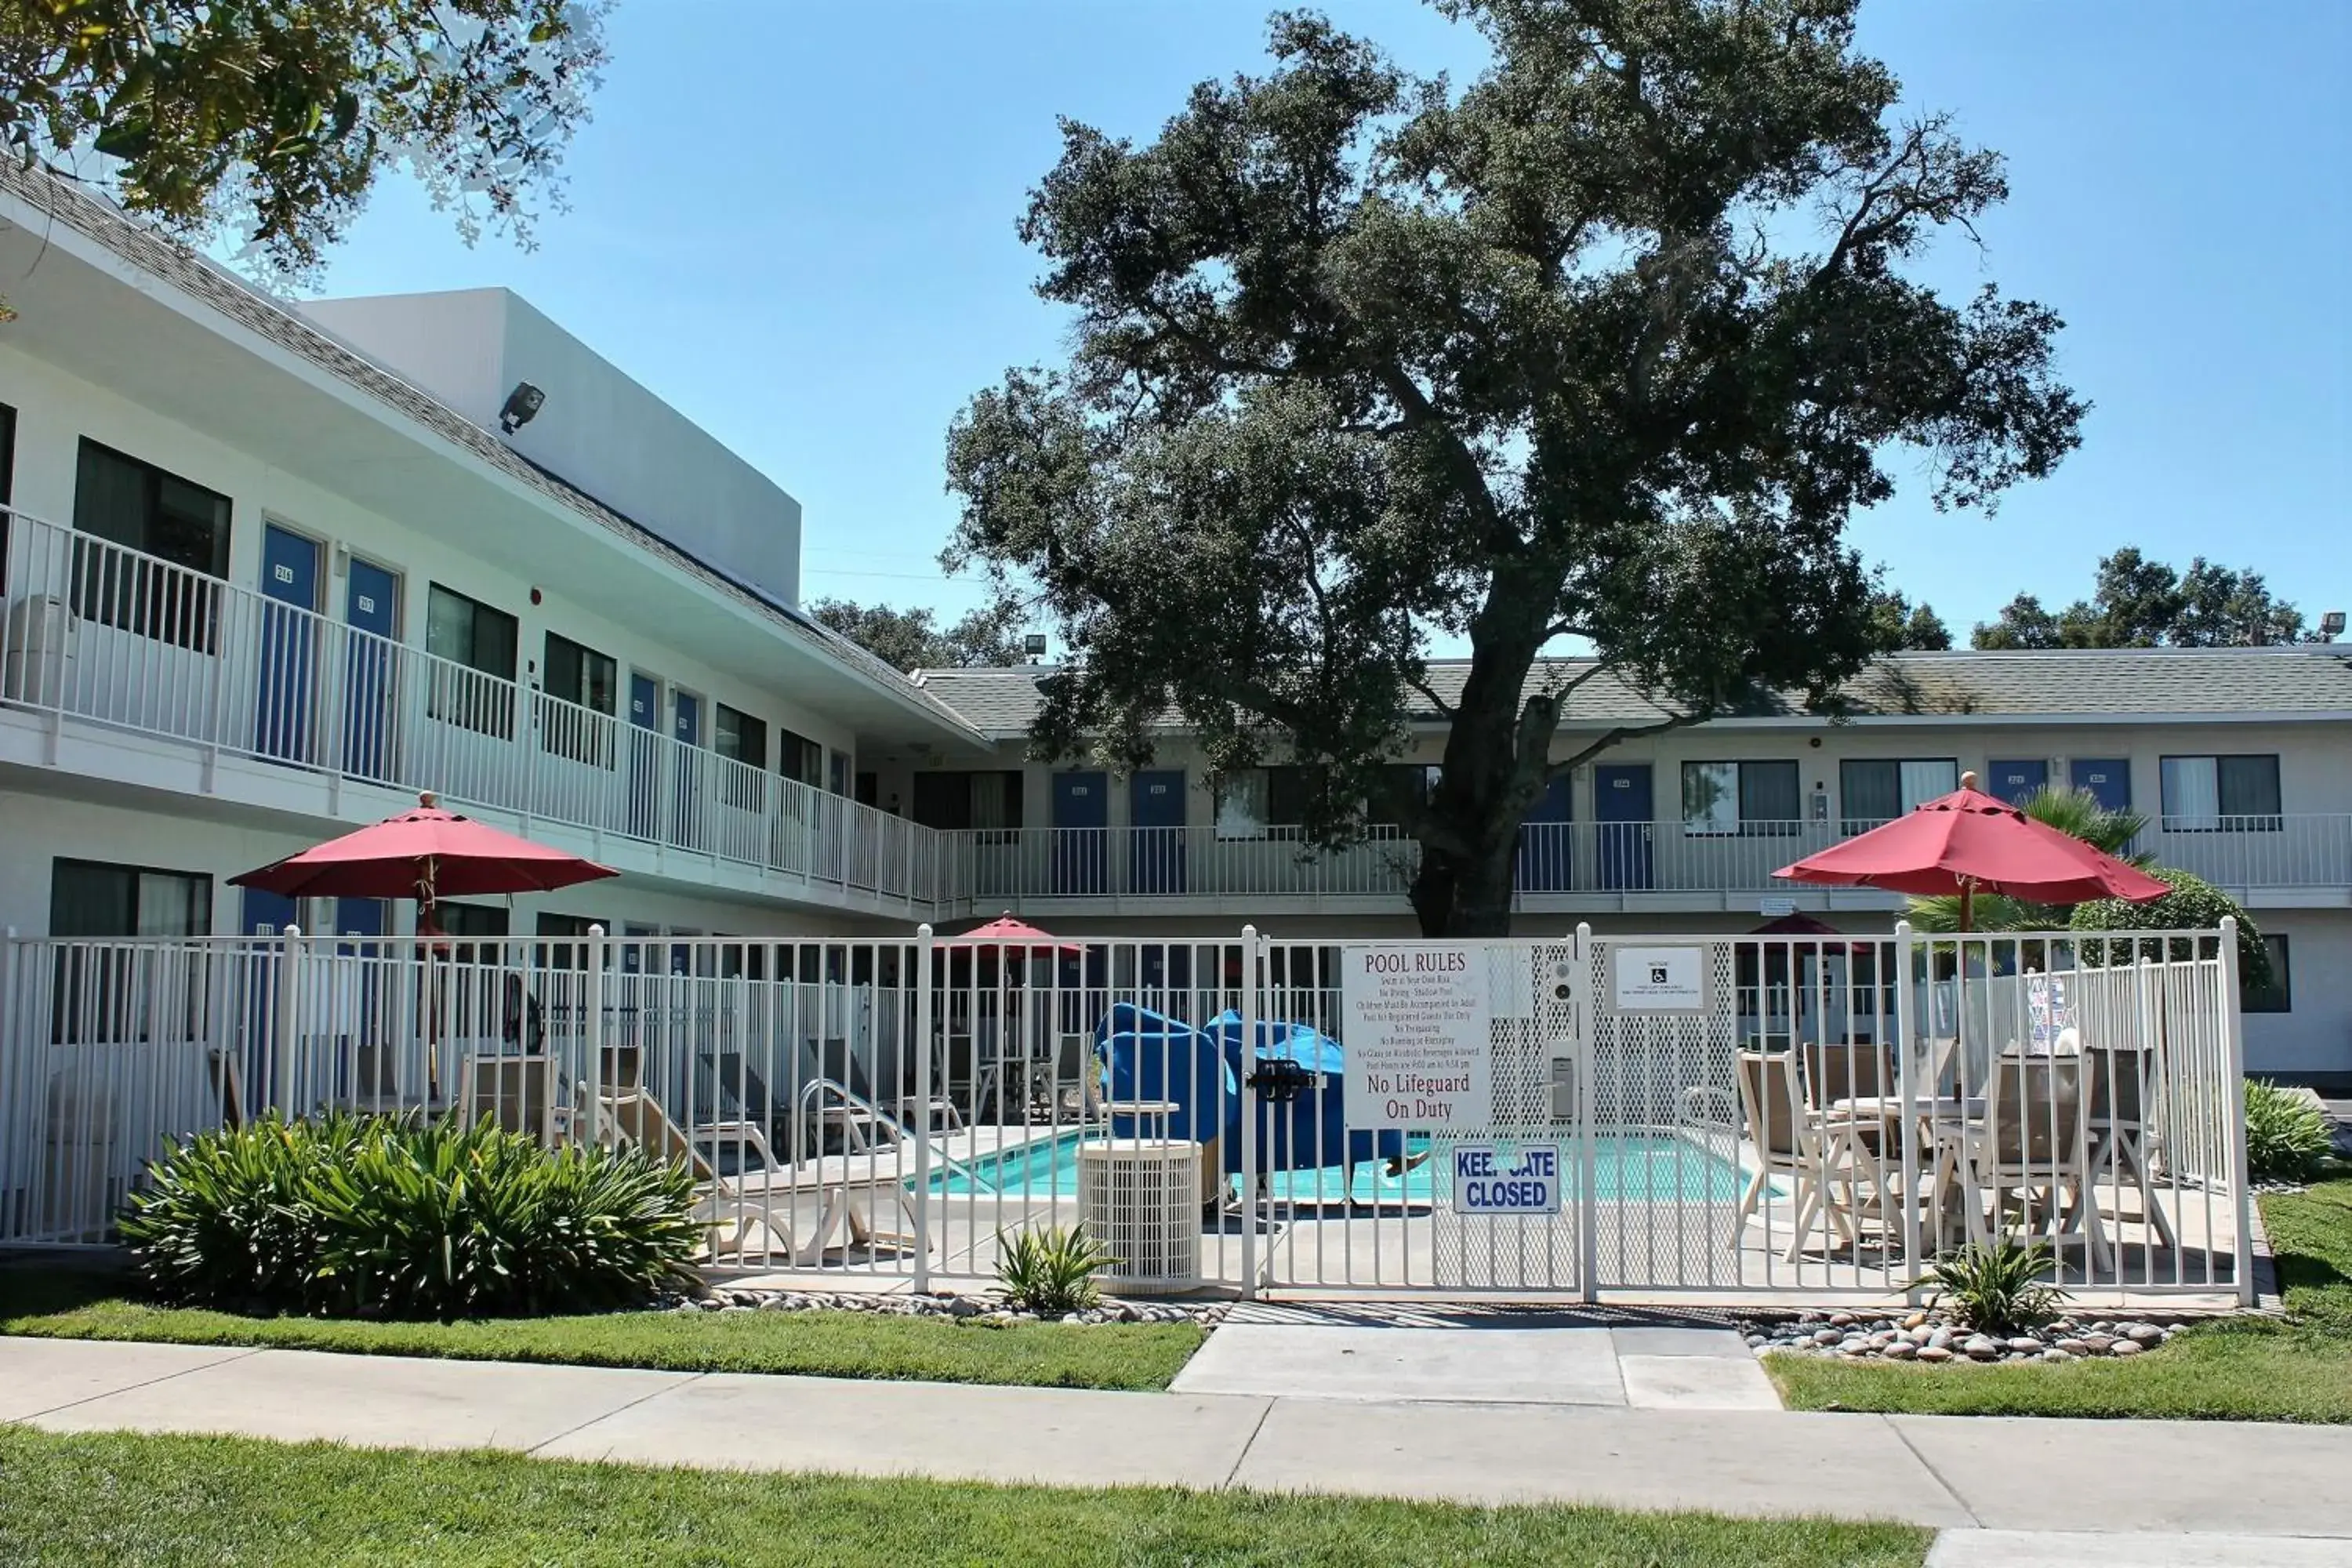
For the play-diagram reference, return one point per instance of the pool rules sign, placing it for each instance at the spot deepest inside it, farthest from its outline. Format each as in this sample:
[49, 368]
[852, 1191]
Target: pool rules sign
[1415, 1019]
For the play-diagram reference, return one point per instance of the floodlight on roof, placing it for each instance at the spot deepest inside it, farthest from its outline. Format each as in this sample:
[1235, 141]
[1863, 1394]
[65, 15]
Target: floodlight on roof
[2331, 626]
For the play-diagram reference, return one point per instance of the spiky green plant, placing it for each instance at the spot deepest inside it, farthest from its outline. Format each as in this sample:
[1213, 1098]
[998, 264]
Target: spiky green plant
[1050, 1269]
[1997, 1288]
[2288, 1136]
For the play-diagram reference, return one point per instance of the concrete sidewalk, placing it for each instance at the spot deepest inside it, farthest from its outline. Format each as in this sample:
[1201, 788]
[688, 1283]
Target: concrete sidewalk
[1973, 1476]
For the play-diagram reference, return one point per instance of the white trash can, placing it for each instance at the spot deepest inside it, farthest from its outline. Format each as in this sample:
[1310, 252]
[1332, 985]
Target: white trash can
[1140, 1198]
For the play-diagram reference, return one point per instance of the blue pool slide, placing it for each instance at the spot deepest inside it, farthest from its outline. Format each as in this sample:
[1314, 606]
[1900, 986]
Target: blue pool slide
[1151, 1056]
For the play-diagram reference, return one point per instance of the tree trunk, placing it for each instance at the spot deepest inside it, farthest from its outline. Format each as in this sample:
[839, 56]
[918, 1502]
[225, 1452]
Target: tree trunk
[1459, 896]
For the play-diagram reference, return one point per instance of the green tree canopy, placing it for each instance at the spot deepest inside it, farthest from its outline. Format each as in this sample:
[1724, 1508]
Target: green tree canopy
[2194, 904]
[912, 639]
[270, 119]
[1903, 625]
[2140, 603]
[1601, 349]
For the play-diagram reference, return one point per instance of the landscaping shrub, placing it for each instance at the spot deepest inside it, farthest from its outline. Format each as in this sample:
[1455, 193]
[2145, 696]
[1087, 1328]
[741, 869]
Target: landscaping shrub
[390, 1217]
[2194, 904]
[2287, 1136]
[1050, 1269]
[228, 1220]
[1997, 1288]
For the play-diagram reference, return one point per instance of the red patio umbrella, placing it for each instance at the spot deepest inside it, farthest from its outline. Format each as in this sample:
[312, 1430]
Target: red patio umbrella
[425, 854]
[1006, 931]
[1966, 841]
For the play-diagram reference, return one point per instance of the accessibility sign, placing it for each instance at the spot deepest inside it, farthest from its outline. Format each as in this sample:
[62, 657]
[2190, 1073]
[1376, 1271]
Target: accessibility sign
[1492, 1179]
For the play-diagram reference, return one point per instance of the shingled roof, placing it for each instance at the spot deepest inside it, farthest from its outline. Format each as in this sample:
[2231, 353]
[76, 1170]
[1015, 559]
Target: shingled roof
[2084, 683]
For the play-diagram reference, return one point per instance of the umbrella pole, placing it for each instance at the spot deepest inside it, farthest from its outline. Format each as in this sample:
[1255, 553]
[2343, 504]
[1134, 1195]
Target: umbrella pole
[1967, 903]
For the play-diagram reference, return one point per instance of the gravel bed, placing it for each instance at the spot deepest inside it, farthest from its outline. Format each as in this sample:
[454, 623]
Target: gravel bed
[1935, 1338]
[986, 1309]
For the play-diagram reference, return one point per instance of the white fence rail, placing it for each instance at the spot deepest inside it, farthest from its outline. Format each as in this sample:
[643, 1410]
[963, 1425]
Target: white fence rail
[107, 635]
[1817, 1114]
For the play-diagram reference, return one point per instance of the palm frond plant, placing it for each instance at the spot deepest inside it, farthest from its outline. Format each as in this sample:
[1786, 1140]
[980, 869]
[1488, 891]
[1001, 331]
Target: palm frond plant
[2077, 813]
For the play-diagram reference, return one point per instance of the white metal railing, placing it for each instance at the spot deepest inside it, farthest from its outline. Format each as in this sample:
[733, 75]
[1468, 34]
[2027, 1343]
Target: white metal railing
[1813, 1113]
[2245, 852]
[110, 636]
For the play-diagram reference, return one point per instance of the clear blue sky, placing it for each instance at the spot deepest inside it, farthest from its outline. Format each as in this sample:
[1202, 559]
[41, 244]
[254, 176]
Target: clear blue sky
[795, 222]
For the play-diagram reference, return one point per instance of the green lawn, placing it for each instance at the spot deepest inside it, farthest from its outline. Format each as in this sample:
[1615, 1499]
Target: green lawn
[2236, 1370]
[61, 1303]
[136, 1501]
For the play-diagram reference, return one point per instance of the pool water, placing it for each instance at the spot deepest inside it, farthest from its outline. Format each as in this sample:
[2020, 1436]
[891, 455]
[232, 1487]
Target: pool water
[1629, 1167]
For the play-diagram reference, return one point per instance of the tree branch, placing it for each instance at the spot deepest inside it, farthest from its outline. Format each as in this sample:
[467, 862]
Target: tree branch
[1620, 734]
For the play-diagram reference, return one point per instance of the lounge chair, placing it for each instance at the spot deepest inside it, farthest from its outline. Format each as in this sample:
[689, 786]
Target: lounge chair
[745, 1197]
[522, 1094]
[1820, 1154]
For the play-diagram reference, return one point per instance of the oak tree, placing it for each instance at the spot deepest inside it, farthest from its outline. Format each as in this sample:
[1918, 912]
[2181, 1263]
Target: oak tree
[269, 120]
[1599, 349]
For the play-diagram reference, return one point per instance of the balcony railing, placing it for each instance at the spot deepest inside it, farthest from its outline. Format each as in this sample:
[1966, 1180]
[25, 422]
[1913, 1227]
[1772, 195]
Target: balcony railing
[1002, 869]
[117, 637]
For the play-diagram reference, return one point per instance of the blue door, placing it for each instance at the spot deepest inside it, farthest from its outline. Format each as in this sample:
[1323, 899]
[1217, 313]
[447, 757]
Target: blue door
[2013, 782]
[290, 643]
[1543, 865]
[359, 921]
[645, 756]
[2108, 778]
[1081, 823]
[1623, 810]
[685, 729]
[371, 701]
[1155, 809]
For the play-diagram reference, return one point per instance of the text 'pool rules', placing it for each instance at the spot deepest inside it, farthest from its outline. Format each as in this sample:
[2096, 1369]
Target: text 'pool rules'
[1416, 1020]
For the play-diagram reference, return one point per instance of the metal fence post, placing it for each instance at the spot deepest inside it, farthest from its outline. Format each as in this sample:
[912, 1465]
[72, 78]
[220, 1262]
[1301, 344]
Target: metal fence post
[1907, 1034]
[591, 1032]
[289, 983]
[923, 1107]
[2234, 1044]
[1251, 975]
[1584, 1011]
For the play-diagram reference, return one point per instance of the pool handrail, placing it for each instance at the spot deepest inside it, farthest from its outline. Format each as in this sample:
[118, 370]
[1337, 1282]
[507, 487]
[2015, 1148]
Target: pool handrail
[898, 1129]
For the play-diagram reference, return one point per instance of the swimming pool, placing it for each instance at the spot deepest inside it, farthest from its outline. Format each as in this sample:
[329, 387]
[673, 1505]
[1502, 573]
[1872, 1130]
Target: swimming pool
[1631, 1167]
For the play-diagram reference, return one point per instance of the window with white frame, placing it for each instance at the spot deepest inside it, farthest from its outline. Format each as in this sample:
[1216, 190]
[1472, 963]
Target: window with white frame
[1880, 789]
[2220, 793]
[741, 738]
[585, 680]
[1267, 802]
[474, 644]
[2278, 997]
[183, 526]
[1754, 799]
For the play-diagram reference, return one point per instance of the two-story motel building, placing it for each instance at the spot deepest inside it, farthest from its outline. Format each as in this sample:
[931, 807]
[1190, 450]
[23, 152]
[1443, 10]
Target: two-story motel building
[270, 570]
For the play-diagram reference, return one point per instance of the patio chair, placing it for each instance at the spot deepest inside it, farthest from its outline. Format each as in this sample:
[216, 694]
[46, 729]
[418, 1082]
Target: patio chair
[1818, 1153]
[522, 1094]
[1845, 1069]
[2122, 1089]
[1070, 1084]
[2031, 1151]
